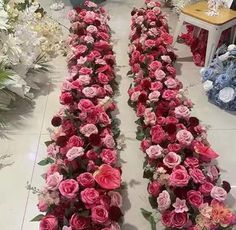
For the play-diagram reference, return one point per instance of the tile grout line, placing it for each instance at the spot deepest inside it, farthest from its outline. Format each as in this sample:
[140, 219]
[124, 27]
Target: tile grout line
[33, 169]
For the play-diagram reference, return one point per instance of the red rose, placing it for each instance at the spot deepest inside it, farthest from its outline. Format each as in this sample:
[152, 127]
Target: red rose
[79, 222]
[66, 98]
[166, 218]
[194, 198]
[49, 223]
[158, 134]
[154, 188]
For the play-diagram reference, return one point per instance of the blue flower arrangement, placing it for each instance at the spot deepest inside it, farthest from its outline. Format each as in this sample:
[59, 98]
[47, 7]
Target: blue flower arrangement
[219, 79]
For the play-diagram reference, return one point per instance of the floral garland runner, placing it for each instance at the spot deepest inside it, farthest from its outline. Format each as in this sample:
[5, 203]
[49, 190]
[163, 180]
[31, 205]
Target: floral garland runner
[83, 181]
[184, 182]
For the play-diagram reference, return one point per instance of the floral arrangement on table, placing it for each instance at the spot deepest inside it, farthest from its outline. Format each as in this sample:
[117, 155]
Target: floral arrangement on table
[180, 4]
[184, 182]
[198, 44]
[219, 79]
[84, 178]
[29, 39]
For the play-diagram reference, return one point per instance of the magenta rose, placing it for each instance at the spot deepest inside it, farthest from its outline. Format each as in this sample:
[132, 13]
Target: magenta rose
[99, 214]
[166, 218]
[154, 188]
[179, 178]
[156, 86]
[108, 177]
[179, 220]
[206, 188]
[197, 175]
[86, 180]
[89, 196]
[75, 141]
[66, 98]
[145, 144]
[150, 43]
[195, 198]
[104, 118]
[68, 188]
[191, 162]
[103, 78]
[48, 223]
[171, 160]
[174, 147]
[85, 105]
[169, 94]
[109, 156]
[158, 134]
[218, 193]
[85, 71]
[155, 65]
[184, 137]
[79, 222]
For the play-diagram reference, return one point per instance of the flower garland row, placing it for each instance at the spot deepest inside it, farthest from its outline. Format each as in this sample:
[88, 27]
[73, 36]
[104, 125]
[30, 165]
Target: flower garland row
[83, 181]
[184, 182]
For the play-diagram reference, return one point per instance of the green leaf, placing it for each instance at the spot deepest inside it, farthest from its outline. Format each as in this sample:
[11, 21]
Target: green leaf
[129, 73]
[46, 161]
[47, 143]
[37, 218]
[147, 174]
[84, 213]
[153, 202]
[139, 121]
[146, 214]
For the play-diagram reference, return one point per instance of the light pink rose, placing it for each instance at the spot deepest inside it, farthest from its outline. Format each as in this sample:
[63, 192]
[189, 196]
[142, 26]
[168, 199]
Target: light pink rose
[89, 129]
[89, 39]
[159, 74]
[90, 92]
[135, 95]
[72, 15]
[197, 175]
[68, 188]
[116, 199]
[182, 112]
[109, 141]
[85, 105]
[74, 152]
[89, 196]
[92, 29]
[149, 117]
[180, 206]
[171, 83]
[89, 17]
[154, 151]
[90, 4]
[163, 201]
[108, 177]
[184, 137]
[154, 96]
[99, 214]
[166, 58]
[195, 198]
[53, 181]
[49, 222]
[179, 178]
[212, 172]
[84, 79]
[171, 160]
[81, 60]
[154, 188]
[218, 193]
[86, 180]
[109, 156]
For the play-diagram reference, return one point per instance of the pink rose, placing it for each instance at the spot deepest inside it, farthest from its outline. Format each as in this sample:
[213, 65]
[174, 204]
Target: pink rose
[169, 94]
[104, 118]
[109, 156]
[85, 105]
[163, 201]
[89, 17]
[109, 141]
[84, 79]
[66, 98]
[171, 160]
[90, 92]
[145, 144]
[184, 137]
[154, 96]
[149, 117]
[85, 71]
[150, 43]
[103, 78]
[179, 178]
[108, 177]
[191, 162]
[79, 222]
[140, 110]
[135, 95]
[182, 112]
[159, 74]
[195, 198]
[80, 49]
[86, 180]
[197, 175]
[116, 199]
[206, 188]
[74, 152]
[89, 196]
[49, 222]
[155, 65]
[156, 86]
[99, 214]
[75, 141]
[68, 188]
[135, 68]
[174, 147]
[167, 38]
[166, 218]
[218, 193]
[89, 129]
[54, 180]
[179, 220]
[158, 134]
[154, 151]
[89, 39]
[171, 83]
[154, 188]
[72, 15]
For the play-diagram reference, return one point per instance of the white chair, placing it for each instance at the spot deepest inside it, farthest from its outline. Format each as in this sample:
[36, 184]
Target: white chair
[196, 15]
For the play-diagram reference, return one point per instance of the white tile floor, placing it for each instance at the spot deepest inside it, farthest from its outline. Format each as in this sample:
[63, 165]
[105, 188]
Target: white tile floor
[24, 141]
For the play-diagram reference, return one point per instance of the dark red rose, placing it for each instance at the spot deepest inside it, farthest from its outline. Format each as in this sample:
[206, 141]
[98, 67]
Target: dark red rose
[226, 186]
[97, 23]
[61, 141]
[56, 121]
[146, 84]
[142, 98]
[95, 139]
[115, 213]
[170, 128]
[181, 193]
[193, 121]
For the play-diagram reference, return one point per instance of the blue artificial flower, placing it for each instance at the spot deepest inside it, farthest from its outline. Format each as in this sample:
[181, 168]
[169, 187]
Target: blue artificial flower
[223, 80]
[207, 74]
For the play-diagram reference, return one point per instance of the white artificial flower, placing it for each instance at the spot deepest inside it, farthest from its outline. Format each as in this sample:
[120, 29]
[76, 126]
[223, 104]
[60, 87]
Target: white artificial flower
[227, 94]
[207, 85]
[3, 17]
[231, 47]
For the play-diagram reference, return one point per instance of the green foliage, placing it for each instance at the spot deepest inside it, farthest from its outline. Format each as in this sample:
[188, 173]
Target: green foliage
[149, 217]
[46, 161]
[37, 218]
